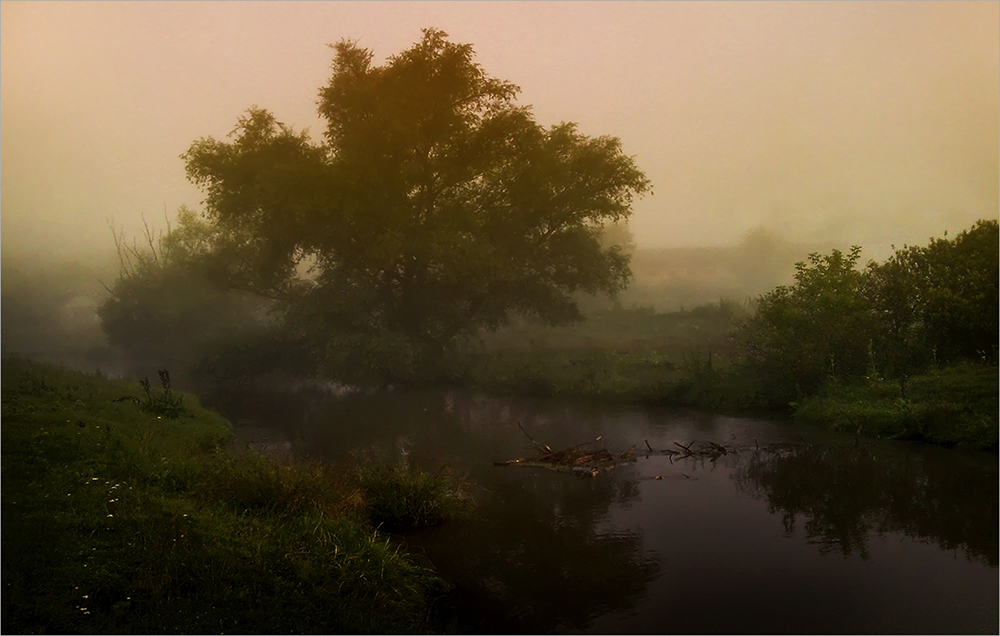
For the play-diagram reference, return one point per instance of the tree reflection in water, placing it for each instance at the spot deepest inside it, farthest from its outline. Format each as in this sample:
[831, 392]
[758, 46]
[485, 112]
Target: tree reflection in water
[537, 557]
[841, 494]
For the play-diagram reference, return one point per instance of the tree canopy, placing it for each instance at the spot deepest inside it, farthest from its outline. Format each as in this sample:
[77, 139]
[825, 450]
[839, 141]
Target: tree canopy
[434, 206]
[921, 308]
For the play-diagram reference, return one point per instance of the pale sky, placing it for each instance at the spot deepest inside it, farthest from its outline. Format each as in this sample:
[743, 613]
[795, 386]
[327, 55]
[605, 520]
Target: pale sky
[870, 123]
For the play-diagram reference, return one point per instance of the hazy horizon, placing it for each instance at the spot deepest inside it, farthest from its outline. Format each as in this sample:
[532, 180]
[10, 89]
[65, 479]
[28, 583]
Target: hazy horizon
[868, 123]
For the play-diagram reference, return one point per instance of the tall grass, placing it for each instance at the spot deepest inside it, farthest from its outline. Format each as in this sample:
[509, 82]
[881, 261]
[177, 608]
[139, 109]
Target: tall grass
[120, 520]
[401, 497]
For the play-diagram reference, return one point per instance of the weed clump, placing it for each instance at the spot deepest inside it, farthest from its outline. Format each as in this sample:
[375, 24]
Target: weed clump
[399, 497]
[166, 404]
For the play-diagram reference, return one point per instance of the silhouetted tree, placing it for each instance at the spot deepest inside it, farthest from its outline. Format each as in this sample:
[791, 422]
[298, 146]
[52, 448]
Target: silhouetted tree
[166, 307]
[434, 207]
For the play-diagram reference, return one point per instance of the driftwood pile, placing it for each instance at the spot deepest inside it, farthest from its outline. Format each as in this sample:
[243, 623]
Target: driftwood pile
[587, 459]
[583, 458]
[714, 450]
[711, 450]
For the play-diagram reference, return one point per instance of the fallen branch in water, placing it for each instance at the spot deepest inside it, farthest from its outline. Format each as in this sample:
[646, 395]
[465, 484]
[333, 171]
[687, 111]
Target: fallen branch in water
[541, 447]
[575, 458]
[588, 461]
[714, 450]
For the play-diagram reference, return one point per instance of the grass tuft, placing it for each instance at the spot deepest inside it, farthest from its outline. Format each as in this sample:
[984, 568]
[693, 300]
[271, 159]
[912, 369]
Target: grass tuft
[401, 497]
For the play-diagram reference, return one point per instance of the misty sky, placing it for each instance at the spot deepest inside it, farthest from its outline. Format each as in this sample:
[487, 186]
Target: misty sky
[869, 123]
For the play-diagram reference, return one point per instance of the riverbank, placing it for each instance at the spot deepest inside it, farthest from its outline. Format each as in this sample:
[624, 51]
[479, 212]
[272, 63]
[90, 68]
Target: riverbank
[954, 406]
[122, 514]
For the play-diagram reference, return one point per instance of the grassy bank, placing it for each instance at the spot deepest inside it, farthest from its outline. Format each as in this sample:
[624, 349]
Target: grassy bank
[118, 518]
[953, 406]
[696, 378]
[622, 355]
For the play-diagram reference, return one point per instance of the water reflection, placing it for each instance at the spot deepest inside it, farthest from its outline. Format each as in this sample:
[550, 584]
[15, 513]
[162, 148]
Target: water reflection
[840, 494]
[665, 544]
[538, 554]
[538, 559]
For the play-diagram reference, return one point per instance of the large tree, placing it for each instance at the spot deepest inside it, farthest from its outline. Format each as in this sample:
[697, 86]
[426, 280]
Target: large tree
[433, 207]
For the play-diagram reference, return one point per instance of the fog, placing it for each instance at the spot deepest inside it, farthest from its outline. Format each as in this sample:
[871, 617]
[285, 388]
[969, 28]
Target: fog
[870, 123]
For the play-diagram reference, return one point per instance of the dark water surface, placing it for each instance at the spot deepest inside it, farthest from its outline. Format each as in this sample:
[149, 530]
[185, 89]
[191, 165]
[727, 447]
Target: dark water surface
[812, 533]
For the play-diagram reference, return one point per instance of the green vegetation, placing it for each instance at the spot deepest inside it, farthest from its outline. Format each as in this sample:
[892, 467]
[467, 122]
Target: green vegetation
[626, 355]
[925, 307]
[433, 207]
[121, 520]
[164, 310]
[836, 340]
[438, 234]
[956, 405]
[401, 497]
[906, 348]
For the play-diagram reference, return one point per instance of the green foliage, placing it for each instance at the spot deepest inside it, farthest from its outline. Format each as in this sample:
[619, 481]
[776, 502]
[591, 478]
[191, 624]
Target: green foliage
[806, 333]
[937, 303]
[954, 406]
[169, 304]
[924, 307]
[166, 404]
[119, 521]
[402, 497]
[623, 355]
[434, 207]
[256, 485]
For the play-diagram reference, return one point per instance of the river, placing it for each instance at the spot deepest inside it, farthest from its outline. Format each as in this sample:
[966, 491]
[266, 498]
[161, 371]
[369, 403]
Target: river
[800, 531]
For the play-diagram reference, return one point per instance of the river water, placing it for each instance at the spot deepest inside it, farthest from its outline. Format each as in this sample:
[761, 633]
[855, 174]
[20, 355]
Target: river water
[801, 531]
